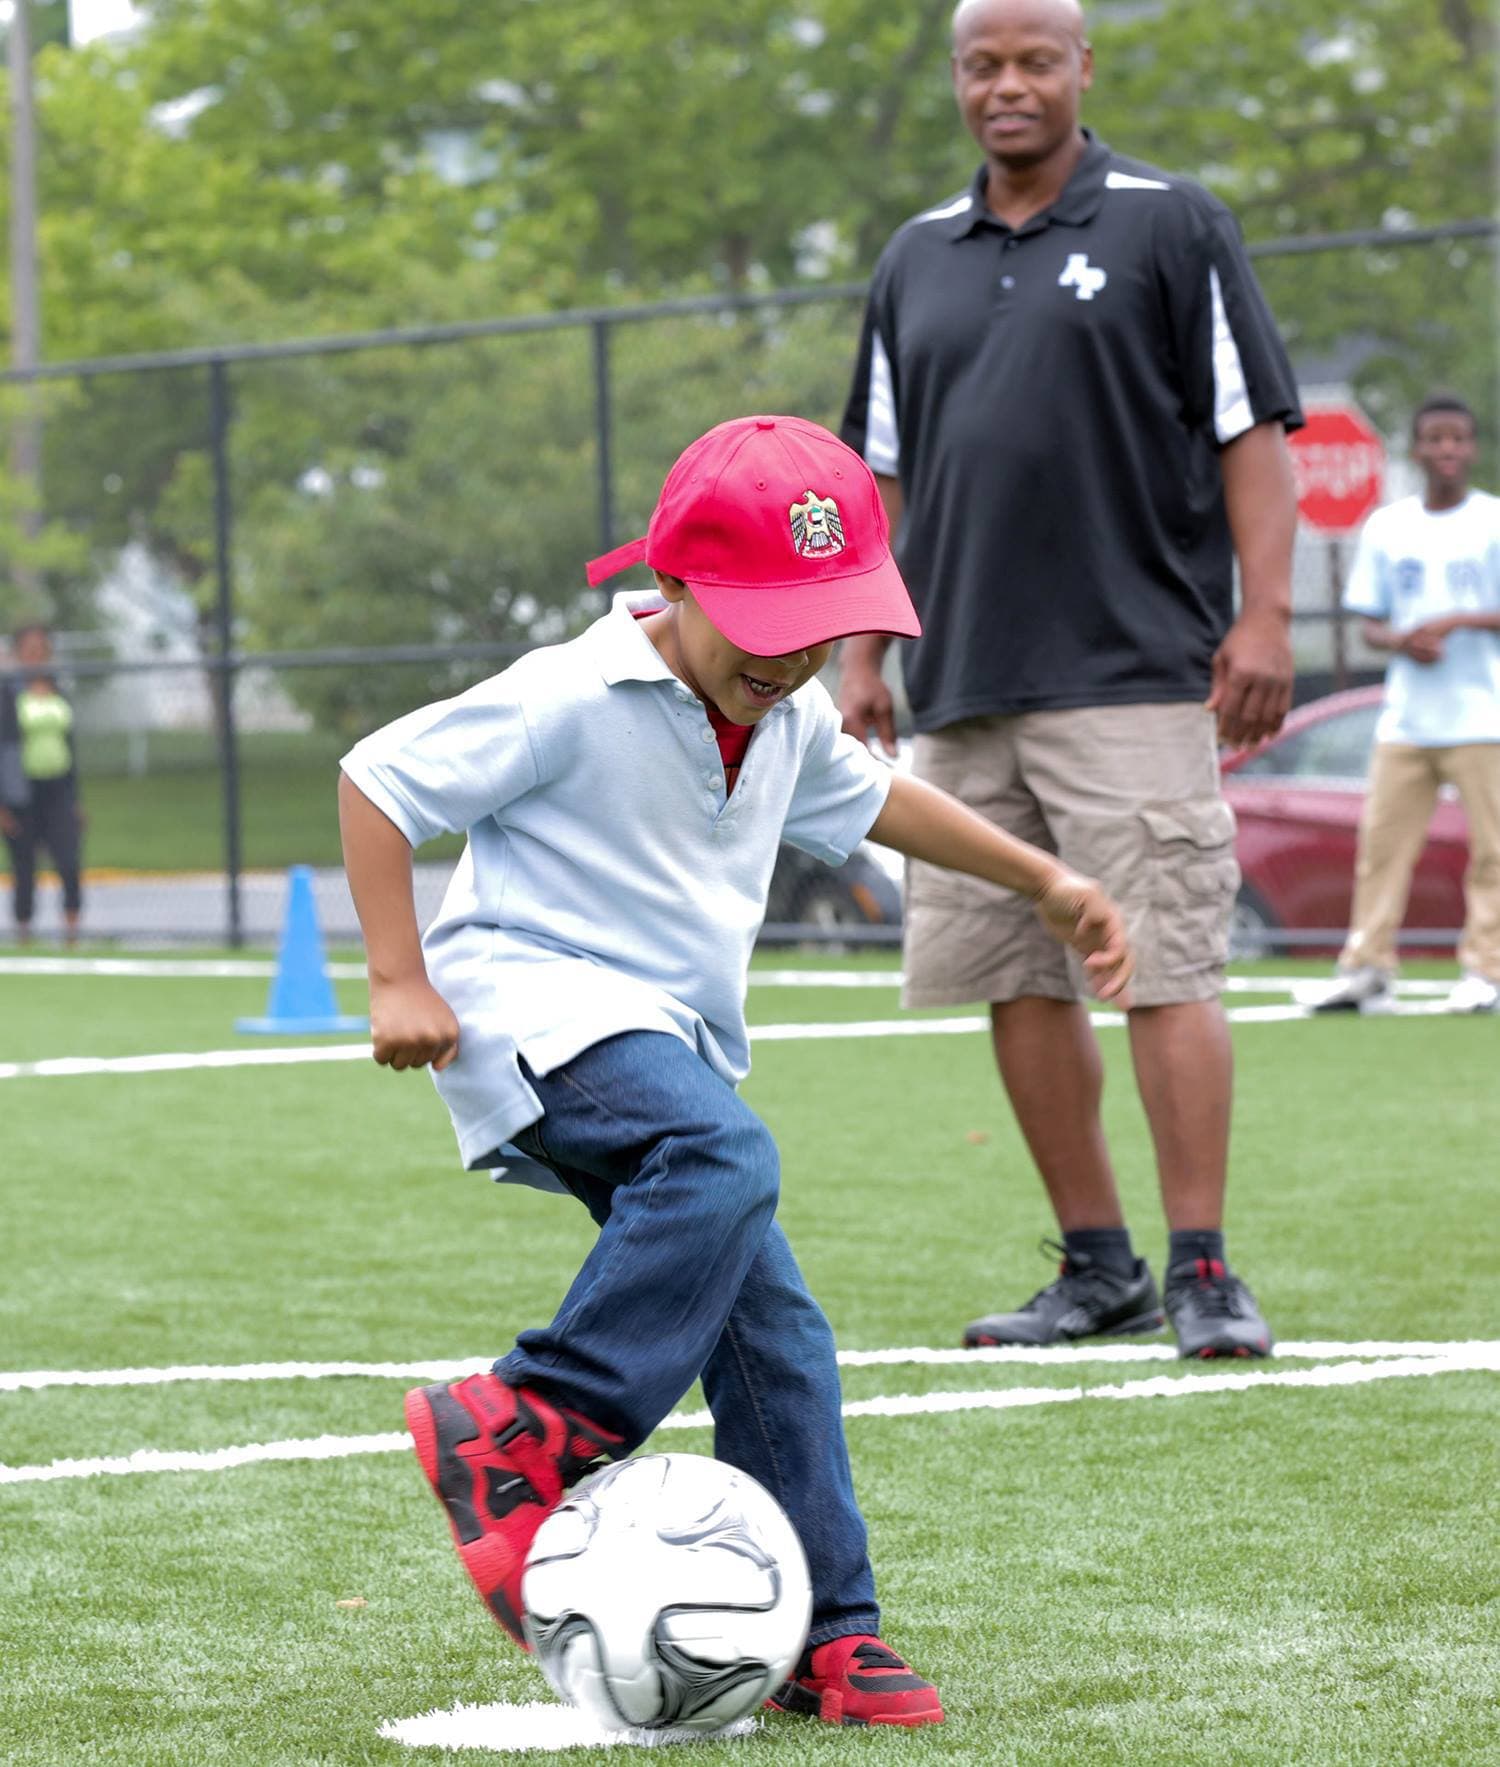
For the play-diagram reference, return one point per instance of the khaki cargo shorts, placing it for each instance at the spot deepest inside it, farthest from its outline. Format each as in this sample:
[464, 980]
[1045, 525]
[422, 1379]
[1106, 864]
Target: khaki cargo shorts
[1127, 794]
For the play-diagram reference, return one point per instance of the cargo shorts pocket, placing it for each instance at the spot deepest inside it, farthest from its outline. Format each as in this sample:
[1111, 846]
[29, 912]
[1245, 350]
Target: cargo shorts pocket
[1194, 878]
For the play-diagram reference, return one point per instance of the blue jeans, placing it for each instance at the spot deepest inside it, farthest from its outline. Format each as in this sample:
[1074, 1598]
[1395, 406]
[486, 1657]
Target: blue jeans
[690, 1276]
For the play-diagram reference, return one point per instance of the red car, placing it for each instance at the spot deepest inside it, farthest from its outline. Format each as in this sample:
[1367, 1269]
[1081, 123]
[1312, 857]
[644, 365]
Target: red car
[1298, 800]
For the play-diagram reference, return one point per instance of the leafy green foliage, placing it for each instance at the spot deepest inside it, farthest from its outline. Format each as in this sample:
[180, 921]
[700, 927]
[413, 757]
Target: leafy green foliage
[1323, 117]
[238, 172]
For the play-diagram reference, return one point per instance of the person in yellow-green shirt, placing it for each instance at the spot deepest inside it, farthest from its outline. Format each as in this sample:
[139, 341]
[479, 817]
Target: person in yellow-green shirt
[43, 813]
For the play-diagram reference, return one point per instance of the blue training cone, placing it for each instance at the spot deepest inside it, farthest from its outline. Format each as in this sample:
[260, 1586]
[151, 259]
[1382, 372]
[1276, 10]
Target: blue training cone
[301, 998]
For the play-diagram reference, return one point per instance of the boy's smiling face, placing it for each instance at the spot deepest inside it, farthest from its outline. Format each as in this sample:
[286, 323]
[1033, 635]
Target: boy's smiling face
[742, 687]
[1445, 446]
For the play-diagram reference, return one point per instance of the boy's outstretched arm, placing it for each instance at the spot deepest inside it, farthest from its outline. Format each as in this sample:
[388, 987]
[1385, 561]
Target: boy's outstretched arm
[925, 823]
[410, 1022]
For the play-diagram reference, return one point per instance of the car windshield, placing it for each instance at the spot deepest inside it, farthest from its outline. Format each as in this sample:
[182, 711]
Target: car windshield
[1336, 747]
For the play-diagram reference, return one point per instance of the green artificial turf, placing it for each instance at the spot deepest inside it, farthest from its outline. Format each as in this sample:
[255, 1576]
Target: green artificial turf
[1287, 1575]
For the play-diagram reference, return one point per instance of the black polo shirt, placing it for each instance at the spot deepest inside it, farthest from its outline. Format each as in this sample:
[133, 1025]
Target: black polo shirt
[1054, 398]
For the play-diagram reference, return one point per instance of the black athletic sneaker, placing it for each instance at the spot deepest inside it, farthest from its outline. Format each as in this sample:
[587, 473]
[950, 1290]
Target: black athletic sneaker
[1087, 1300]
[1213, 1313]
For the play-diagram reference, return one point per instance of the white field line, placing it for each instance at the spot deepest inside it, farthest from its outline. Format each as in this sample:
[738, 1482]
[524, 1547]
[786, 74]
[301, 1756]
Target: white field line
[1486, 1359]
[892, 979]
[163, 968]
[915, 1356]
[1101, 1020]
[1293, 984]
[261, 968]
[1481, 1358]
[1312, 1349]
[508, 1729]
[146, 1460]
[66, 1067]
[75, 1066]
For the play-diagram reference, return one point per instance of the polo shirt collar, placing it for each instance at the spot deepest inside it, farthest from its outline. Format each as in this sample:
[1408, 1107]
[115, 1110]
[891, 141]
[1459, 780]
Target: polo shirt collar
[625, 653]
[623, 650]
[1076, 205]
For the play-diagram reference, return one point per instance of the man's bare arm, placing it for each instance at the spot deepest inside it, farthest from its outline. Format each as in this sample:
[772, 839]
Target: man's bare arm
[865, 701]
[1253, 669]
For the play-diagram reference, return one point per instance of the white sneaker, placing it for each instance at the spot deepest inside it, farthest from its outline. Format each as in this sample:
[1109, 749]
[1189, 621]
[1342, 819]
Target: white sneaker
[1474, 993]
[1366, 989]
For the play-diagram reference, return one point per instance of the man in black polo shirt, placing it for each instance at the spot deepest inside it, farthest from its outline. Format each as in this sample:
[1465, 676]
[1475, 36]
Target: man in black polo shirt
[1075, 401]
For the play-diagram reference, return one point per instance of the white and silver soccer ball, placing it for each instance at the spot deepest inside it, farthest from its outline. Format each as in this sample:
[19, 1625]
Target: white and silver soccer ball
[669, 1591]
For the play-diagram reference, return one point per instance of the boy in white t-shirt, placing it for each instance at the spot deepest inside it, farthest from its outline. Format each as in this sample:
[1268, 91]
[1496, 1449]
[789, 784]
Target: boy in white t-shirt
[1427, 580]
[580, 998]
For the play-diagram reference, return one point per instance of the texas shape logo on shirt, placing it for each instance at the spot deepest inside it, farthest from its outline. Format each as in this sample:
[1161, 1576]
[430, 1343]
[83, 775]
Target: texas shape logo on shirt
[817, 528]
[1080, 274]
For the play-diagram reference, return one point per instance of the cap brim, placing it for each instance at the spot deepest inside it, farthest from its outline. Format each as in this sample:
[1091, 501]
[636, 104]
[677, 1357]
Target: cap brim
[773, 620]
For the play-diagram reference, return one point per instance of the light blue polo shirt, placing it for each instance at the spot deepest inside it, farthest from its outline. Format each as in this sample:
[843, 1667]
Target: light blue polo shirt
[608, 884]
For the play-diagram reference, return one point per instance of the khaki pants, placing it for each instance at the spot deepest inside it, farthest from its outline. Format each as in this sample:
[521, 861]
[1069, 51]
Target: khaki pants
[1404, 782]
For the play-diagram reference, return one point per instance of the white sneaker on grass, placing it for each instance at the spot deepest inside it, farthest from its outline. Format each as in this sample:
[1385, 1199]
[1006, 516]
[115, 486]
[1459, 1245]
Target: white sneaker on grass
[1474, 993]
[1365, 989]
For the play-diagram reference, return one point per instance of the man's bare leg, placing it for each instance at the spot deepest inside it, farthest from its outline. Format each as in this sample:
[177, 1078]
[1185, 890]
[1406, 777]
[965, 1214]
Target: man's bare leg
[1050, 1064]
[1184, 1069]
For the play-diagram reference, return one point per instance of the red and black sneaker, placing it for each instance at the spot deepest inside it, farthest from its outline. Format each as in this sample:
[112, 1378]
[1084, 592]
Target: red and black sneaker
[499, 1459]
[858, 1680]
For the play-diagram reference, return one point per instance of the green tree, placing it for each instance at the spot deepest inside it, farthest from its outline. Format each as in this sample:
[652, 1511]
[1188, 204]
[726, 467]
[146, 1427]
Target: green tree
[1329, 117]
[239, 172]
[451, 494]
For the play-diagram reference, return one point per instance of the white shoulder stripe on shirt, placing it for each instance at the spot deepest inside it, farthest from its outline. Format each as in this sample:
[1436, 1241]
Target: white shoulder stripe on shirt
[1127, 181]
[882, 438]
[1232, 413]
[956, 207]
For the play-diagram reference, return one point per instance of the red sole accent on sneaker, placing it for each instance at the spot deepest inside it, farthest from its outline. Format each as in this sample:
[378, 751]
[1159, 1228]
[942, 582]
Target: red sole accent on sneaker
[489, 1560]
[800, 1702]
[423, 1433]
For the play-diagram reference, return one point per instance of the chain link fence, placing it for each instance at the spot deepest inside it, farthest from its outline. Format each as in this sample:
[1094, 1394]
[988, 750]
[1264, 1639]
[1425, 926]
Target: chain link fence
[280, 547]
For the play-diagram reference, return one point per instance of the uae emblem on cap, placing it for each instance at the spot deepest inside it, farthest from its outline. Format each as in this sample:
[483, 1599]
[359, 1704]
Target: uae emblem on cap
[817, 528]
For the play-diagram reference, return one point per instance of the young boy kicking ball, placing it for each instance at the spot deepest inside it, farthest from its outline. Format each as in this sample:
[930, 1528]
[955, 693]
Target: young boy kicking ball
[580, 998]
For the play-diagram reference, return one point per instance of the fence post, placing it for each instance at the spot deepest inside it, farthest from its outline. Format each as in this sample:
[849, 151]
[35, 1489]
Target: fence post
[1336, 610]
[604, 439]
[219, 419]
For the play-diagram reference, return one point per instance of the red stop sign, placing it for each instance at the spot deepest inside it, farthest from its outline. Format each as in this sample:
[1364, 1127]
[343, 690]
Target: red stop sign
[1339, 460]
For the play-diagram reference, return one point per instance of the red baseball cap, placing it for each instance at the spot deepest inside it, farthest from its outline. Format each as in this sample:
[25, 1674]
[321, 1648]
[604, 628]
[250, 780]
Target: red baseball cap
[779, 531]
